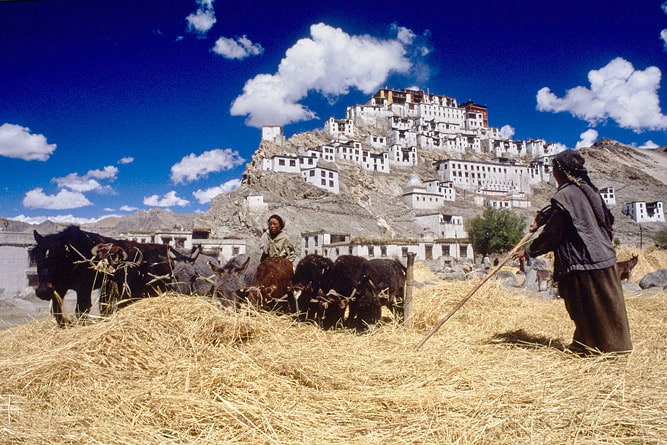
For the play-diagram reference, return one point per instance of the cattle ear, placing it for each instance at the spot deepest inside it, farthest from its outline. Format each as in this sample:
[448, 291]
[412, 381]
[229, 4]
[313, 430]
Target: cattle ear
[195, 253]
[214, 268]
[39, 238]
[243, 268]
[173, 254]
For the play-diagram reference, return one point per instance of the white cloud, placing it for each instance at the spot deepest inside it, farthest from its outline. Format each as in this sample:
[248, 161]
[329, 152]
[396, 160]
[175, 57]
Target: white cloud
[126, 208]
[205, 196]
[507, 132]
[17, 142]
[329, 62]
[664, 7]
[126, 160]
[193, 167]
[404, 35]
[239, 49]
[167, 200]
[649, 144]
[62, 219]
[64, 199]
[89, 181]
[617, 92]
[587, 138]
[203, 19]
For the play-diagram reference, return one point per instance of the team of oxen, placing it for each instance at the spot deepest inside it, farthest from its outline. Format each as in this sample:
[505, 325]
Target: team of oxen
[348, 292]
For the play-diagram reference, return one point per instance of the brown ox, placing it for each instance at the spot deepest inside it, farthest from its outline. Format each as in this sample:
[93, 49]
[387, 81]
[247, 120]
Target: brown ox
[624, 268]
[270, 285]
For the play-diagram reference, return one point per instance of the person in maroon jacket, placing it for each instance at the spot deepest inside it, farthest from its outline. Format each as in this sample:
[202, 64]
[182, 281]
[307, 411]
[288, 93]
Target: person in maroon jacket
[578, 230]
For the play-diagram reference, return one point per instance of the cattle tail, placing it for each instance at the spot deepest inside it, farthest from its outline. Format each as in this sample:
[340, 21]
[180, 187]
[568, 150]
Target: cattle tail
[460, 304]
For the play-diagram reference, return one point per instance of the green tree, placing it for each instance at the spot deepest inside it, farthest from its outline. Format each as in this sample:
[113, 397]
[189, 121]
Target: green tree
[496, 230]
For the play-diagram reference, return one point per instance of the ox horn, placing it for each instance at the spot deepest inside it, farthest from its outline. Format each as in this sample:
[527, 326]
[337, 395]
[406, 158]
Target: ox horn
[138, 256]
[97, 247]
[195, 253]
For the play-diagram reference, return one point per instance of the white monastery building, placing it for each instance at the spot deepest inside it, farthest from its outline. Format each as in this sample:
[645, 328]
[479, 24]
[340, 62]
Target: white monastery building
[333, 245]
[608, 196]
[641, 211]
[443, 226]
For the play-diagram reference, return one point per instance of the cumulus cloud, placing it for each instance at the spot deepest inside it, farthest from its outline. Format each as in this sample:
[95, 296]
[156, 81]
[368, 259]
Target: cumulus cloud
[61, 219]
[126, 160]
[663, 37]
[64, 199]
[193, 167]
[203, 19]
[238, 49]
[167, 200]
[126, 208]
[617, 91]
[507, 132]
[205, 196]
[587, 138]
[88, 182]
[329, 62]
[649, 145]
[17, 142]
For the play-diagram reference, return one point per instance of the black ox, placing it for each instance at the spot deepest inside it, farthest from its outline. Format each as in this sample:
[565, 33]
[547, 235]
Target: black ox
[63, 263]
[146, 271]
[310, 278]
[71, 259]
[382, 284]
[362, 287]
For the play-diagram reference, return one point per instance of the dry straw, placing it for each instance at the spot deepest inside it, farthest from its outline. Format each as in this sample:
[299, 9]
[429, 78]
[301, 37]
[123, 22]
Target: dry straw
[177, 369]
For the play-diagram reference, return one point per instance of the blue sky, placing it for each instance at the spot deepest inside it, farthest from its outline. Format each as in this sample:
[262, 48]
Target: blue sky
[112, 106]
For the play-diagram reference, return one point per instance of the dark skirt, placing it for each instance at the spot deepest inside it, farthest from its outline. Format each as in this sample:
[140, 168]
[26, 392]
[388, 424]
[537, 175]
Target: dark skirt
[594, 300]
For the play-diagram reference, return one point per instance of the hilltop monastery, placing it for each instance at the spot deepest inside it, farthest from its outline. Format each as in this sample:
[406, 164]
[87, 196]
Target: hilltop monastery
[400, 123]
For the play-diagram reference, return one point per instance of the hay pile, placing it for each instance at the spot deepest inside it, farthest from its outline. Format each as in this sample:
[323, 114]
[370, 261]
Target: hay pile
[648, 260]
[177, 369]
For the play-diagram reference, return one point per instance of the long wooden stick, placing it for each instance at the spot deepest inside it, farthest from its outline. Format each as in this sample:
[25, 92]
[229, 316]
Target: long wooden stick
[509, 256]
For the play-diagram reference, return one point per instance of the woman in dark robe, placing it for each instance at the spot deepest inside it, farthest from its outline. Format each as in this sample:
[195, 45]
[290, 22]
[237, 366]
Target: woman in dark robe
[577, 228]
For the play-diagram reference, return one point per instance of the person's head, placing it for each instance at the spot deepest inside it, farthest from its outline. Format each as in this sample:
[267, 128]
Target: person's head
[276, 225]
[569, 164]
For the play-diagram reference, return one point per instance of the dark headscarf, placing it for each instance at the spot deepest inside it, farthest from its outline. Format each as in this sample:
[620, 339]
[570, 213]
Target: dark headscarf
[571, 164]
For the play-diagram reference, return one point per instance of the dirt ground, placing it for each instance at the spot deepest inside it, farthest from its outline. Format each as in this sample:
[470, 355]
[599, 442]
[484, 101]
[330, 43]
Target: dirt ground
[15, 311]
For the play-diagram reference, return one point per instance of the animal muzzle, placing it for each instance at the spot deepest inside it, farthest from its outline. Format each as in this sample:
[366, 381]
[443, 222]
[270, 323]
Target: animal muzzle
[44, 291]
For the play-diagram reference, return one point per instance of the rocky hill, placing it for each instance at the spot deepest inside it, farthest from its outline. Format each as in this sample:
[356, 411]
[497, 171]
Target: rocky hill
[369, 204]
